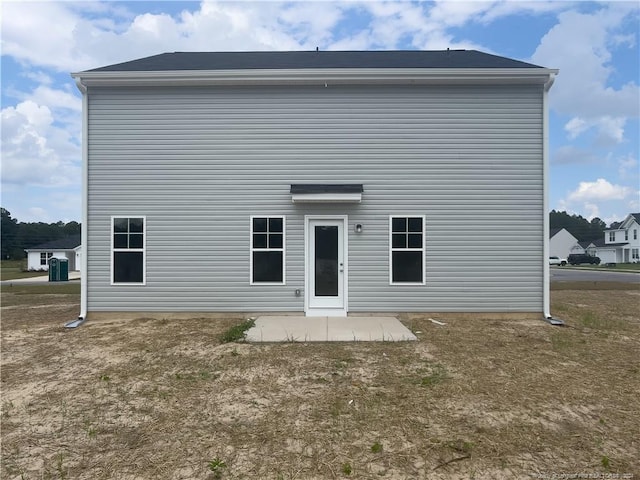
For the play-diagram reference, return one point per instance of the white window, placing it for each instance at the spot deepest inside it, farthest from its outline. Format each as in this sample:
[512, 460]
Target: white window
[128, 252]
[44, 257]
[626, 235]
[406, 246]
[612, 236]
[267, 250]
[635, 253]
[635, 234]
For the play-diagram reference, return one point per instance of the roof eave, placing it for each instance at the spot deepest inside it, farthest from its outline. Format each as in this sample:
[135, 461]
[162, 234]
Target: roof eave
[323, 77]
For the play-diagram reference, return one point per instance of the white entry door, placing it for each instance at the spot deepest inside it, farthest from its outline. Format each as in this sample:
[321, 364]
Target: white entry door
[326, 266]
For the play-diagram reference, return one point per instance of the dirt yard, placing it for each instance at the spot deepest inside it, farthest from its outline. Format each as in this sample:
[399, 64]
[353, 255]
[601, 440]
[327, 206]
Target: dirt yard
[159, 399]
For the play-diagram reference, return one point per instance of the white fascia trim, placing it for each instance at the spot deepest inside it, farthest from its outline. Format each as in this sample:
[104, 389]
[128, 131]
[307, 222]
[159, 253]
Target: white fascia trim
[322, 76]
[326, 197]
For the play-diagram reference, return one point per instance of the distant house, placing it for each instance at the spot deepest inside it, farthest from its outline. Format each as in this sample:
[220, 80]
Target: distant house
[68, 247]
[561, 243]
[622, 244]
[319, 182]
[586, 246]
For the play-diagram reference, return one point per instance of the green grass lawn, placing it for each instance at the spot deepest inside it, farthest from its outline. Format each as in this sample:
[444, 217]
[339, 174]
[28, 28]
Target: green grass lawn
[12, 269]
[632, 267]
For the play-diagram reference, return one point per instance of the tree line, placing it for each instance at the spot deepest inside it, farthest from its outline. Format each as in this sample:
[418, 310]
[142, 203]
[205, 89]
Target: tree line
[18, 236]
[578, 226]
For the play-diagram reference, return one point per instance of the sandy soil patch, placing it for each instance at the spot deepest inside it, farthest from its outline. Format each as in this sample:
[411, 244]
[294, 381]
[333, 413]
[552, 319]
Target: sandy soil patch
[160, 399]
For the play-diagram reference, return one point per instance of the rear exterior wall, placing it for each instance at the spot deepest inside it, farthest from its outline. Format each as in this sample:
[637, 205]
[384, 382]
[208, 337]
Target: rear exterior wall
[198, 162]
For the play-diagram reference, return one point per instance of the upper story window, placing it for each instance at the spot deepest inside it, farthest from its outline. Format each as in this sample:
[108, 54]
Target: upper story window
[626, 235]
[612, 236]
[635, 234]
[406, 258]
[44, 257]
[267, 250]
[128, 250]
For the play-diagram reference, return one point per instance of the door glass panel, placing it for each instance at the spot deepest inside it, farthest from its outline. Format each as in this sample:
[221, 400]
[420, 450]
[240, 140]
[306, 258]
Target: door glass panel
[326, 261]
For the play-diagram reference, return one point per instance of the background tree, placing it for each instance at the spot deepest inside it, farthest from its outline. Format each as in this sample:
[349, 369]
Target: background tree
[9, 232]
[577, 225]
[18, 236]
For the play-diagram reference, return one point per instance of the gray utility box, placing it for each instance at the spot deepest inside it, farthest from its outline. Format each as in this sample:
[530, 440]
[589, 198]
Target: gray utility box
[58, 269]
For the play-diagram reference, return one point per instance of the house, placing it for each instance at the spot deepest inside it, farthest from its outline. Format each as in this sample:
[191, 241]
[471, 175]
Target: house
[561, 243]
[319, 182]
[622, 244]
[68, 247]
[586, 246]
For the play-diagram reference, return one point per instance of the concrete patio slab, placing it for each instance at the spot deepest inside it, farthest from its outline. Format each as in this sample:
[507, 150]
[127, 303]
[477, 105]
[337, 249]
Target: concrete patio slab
[290, 328]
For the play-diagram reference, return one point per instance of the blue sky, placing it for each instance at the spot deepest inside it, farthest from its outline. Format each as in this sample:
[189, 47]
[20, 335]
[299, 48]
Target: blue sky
[594, 103]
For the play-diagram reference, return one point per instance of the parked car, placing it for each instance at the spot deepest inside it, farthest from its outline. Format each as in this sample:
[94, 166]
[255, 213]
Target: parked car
[557, 261]
[578, 258]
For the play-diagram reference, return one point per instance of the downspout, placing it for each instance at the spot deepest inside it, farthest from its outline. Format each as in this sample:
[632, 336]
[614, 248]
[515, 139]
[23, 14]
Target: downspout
[546, 307]
[85, 210]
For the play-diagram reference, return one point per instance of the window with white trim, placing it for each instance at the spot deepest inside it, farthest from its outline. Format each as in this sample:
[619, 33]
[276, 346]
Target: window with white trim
[44, 257]
[635, 234]
[267, 250]
[128, 250]
[626, 235]
[635, 253]
[612, 236]
[406, 240]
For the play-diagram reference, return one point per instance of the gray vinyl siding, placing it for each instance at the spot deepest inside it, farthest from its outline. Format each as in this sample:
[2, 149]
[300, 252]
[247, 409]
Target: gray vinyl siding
[197, 162]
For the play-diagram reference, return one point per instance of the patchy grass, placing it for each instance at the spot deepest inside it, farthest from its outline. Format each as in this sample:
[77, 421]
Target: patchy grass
[237, 333]
[632, 267]
[13, 269]
[164, 399]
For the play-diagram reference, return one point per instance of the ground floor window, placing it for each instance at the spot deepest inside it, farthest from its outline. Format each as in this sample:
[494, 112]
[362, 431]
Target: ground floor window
[267, 245]
[406, 241]
[128, 250]
[635, 253]
[44, 257]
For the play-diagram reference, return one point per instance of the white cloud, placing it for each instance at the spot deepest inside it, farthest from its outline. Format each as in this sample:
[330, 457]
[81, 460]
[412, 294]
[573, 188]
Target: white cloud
[580, 45]
[34, 150]
[53, 98]
[40, 134]
[628, 167]
[41, 35]
[609, 130]
[593, 211]
[575, 127]
[601, 190]
[38, 77]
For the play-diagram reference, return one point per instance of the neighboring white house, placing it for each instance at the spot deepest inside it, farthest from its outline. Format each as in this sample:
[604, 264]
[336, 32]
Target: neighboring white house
[561, 243]
[318, 182]
[622, 244]
[68, 247]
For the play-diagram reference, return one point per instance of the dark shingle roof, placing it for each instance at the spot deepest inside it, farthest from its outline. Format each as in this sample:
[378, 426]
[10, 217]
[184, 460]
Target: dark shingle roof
[66, 243]
[553, 232]
[313, 59]
[326, 188]
[636, 216]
